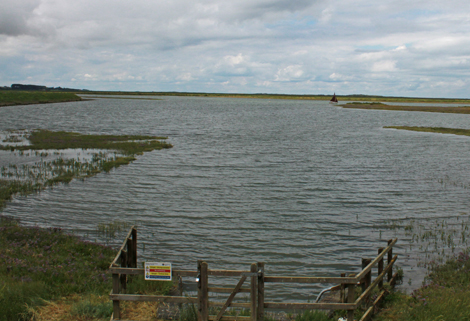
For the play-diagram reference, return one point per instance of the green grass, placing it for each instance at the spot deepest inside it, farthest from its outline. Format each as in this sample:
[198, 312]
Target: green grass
[42, 264]
[312, 316]
[39, 265]
[90, 309]
[13, 97]
[445, 296]
[27, 179]
[431, 109]
[127, 144]
[365, 104]
[440, 130]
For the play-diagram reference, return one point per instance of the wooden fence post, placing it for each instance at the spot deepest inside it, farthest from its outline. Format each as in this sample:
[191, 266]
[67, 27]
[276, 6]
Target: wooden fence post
[116, 307]
[203, 291]
[123, 276]
[130, 253]
[363, 281]
[254, 292]
[380, 267]
[351, 299]
[342, 298]
[368, 278]
[134, 247]
[260, 291]
[389, 260]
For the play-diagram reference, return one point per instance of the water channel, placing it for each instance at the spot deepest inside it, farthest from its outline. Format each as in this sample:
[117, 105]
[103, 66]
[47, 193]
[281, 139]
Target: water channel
[301, 185]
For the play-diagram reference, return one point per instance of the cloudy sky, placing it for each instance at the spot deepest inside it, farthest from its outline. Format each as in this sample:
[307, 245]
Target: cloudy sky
[387, 47]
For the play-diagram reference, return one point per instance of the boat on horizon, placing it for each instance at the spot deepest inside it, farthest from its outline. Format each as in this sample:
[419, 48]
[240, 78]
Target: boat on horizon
[334, 100]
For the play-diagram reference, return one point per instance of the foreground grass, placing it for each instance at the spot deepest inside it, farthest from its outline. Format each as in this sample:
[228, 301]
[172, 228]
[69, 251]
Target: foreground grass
[45, 264]
[47, 274]
[27, 179]
[13, 97]
[445, 296]
[440, 130]
[431, 109]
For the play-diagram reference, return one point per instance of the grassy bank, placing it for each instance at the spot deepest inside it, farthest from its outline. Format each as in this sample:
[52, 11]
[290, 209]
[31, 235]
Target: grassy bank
[47, 274]
[295, 97]
[431, 109]
[445, 295]
[46, 264]
[13, 97]
[26, 179]
[440, 130]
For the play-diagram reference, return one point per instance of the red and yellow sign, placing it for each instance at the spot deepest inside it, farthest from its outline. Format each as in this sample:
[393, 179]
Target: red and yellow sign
[158, 271]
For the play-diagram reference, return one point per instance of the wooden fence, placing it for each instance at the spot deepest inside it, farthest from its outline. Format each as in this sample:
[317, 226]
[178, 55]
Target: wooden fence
[125, 263]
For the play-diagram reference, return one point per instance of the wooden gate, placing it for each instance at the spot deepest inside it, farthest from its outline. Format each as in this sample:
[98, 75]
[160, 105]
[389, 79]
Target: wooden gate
[125, 264]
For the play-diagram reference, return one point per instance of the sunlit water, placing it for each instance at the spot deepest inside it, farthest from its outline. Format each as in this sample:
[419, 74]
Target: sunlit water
[301, 185]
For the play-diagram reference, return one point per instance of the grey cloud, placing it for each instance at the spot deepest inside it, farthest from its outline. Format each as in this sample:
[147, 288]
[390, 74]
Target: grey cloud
[15, 16]
[295, 46]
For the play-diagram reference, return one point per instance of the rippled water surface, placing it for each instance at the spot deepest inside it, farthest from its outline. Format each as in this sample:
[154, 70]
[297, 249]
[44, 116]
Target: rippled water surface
[301, 185]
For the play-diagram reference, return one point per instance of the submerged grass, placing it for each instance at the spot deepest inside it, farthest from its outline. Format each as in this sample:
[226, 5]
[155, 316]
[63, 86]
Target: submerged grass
[126, 144]
[440, 130]
[27, 179]
[13, 97]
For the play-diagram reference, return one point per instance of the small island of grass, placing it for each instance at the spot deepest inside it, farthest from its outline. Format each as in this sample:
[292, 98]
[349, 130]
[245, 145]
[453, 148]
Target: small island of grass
[12, 98]
[431, 109]
[27, 179]
[440, 130]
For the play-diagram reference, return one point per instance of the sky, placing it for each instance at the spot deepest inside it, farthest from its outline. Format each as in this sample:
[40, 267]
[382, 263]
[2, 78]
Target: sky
[387, 47]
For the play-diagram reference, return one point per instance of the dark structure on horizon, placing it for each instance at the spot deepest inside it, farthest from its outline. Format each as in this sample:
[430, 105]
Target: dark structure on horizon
[41, 88]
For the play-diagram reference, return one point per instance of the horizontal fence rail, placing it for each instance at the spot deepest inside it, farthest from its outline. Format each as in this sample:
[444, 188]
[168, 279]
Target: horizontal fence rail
[253, 281]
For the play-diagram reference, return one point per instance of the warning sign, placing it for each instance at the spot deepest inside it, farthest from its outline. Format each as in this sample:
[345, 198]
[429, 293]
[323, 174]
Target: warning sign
[158, 271]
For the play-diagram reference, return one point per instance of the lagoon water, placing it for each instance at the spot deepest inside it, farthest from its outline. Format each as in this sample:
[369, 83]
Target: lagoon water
[301, 185]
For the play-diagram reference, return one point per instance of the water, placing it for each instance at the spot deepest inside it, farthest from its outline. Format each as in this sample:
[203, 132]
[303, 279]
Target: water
[301, 185]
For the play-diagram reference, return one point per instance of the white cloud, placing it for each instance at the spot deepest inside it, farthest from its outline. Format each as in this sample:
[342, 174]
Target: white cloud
[385, 65]
[284, 46]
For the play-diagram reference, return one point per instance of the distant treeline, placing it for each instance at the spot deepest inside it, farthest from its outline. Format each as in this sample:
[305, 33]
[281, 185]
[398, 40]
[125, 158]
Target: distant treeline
[39, 88]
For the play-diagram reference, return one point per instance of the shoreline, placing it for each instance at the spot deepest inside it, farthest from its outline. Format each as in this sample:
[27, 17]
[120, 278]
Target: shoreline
[431, 109]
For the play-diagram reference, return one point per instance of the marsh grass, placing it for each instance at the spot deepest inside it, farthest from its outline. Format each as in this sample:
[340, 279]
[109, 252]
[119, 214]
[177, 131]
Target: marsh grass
[109, 230]
[92, 309]
[43, 264]
[431, 109]
[31, 178]
[434, 241]
[365, 104]
[312, 315]
[440, 130]
[444, 296]
[125, 144]
[188, 312]
[14, 97]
